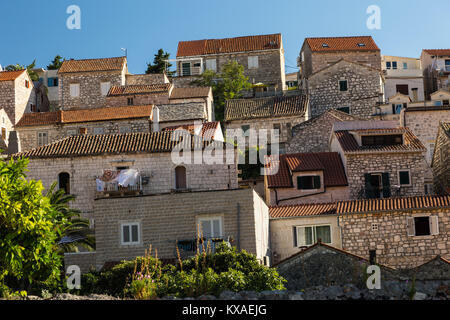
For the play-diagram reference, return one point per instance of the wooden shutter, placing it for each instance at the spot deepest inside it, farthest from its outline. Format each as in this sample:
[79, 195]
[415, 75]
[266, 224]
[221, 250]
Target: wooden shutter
[434, 225]
[294, 229]
[368, 187]
[316, 182]
[3, 133]
[386, 185]
[410, 226]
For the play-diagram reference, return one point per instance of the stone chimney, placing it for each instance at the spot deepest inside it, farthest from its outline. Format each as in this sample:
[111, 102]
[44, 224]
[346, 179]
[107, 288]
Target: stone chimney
[155, 119]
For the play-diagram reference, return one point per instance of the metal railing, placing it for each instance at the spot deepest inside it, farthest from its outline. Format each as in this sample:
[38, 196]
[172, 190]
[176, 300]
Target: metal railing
[208, 245]
[114, 189]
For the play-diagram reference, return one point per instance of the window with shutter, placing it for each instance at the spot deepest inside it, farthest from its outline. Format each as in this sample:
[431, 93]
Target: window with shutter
[386, 185]
[75, 90]
[422, 226]
[434, 225]
[130, 233]
[410, 226]
[210, 227]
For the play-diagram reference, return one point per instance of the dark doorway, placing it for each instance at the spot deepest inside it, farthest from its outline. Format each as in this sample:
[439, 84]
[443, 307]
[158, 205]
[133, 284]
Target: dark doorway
[180, 178]
[403, 89]
[64, 182]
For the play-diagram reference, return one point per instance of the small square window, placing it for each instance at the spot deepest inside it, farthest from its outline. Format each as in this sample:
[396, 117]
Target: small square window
[343, 85]
[405, 65]
[344, 109]
[308, 182]
[394, 65]
[388, 65]
[130, 101]
[422, 226]
[404, 178]
[374, 227]
[130, 233]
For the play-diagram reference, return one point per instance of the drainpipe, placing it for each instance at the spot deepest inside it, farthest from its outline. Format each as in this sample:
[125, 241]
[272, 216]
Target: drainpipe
[238, 226]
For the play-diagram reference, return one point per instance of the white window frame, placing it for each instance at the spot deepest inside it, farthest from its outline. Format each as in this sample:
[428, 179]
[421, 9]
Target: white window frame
[211, 219]
[313, 235]
[211, 64]
[74, 90]
[130, 225]
[104, 88]
[310, 175]
[40, 138]
[253, 62]
[398, 176]
[432, 219]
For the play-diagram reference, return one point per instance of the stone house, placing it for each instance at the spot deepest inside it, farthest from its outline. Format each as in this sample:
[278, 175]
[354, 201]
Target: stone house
[403, 75]
[86, 83]
[325, 265]
[77, 162]
[347, 86]
[313, 134]
[262, 57]
[125, 227]
[401, 232]
[380, 158]
[441, 159]
[17, 94]
[436, 70]
[305, 178]
[6, 128]
[271, 113]
[296, 227]
[49, 79]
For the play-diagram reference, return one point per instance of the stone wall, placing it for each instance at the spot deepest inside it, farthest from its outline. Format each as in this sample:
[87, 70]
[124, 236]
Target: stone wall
[359, 164]
[29, 135]
[165, 219]
[424, 125]
[139, 79]
[158, 166]
[293, 196]
[364, 89]
[84, 260]
[270, 69]
[441, 161]
[393, 246]
[90, 88]
[138, 99]
[314, 135]
[15, 98]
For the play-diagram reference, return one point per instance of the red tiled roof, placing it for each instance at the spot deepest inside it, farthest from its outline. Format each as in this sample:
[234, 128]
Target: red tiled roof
[208, 129]
[195, 92]
[228, 45]
[302, 210]
[349, 144]
[84, 115]
[87, 65]
[278, 106]
[10, 75]
[139, 89]
[92, 145]
[438, 52]
[342, 44]
[328, 162]
[392, 204]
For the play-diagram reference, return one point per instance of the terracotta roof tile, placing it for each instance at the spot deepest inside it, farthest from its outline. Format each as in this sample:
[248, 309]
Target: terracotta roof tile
[228, 45]
[87, 65]
[302, 210]
[349, 144]
[84, 115]
[438, 52]
[278, 106]
[392, 204]
[328, 162]
[139, 89]
[185, 93]
[207, 131]
[10, 75]
[342, 44]
[92, 145]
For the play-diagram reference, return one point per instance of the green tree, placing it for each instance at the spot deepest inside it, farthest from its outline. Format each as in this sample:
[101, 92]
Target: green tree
[228, 84]
[30, 228]
[160, 64]
[56, 63]
[15, 67]
[78, 229]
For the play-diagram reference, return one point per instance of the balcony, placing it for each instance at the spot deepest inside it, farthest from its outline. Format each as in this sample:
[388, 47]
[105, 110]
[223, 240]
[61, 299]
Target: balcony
[119, 183]
[188, 248]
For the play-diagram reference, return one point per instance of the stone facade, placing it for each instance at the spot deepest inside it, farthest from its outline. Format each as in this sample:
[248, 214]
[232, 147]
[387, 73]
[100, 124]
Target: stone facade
[90, 94]
[165, 219]
[364, 89]
[270, 70]
[6, 127]
[138, 99]
[424, 124]
[313, 135]
[157, 166]
[359, 164]
[441, 160]
[28, 136]
[394, 247]
[282, 234]
[292, 196]
[16, 98]
[146, 79]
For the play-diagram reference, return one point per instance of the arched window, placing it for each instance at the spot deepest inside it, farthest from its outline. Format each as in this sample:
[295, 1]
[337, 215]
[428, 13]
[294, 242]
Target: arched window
[180, 178]
[64, 182]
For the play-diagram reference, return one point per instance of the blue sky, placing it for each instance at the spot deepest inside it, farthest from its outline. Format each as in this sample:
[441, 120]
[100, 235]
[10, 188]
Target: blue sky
[37, 29]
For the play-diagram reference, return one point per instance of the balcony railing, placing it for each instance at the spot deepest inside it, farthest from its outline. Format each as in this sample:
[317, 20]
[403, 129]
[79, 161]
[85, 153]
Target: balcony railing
[189, 247]
[119, 183]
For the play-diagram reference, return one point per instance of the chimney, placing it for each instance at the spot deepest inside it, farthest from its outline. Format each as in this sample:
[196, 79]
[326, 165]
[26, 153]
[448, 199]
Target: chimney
[155, 119]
